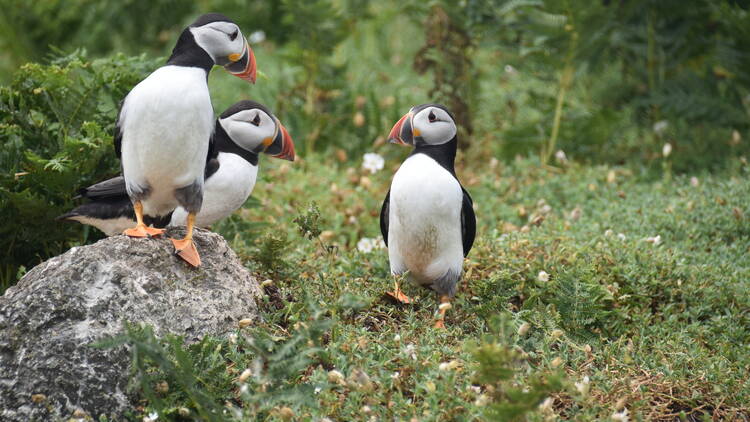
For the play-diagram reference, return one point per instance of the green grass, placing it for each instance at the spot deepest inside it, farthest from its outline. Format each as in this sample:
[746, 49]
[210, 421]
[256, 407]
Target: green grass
[659, 329]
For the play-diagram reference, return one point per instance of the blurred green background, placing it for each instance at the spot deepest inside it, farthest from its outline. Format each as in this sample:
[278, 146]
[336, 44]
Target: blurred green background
[607, 81]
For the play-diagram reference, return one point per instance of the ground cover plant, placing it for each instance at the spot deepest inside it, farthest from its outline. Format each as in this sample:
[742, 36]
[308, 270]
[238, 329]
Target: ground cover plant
[592, 293]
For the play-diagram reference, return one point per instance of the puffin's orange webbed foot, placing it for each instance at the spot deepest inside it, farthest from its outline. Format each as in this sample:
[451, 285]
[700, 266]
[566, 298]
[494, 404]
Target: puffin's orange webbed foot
[440, 324]
[185, 249]
[143, 231]
[400, 297]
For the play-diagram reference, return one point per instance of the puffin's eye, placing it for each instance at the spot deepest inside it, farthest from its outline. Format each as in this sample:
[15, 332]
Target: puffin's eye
[234, 34]
[256, 120]
[431, 117]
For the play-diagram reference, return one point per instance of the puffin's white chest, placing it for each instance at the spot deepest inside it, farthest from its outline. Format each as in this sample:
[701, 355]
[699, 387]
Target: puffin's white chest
[424, 234]
[223, 192]
[166, 123]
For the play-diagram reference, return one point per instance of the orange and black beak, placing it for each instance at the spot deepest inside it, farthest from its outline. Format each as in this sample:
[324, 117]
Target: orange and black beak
[402, 131]
[242, 65]
[281, 146]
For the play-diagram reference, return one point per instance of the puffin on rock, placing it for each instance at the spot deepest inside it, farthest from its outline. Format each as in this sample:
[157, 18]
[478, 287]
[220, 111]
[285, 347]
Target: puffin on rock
[427, 219]
[165, 124]
[242, 132]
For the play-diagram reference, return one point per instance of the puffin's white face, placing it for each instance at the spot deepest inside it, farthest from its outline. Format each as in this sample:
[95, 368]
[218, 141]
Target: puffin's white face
[255, 130]
[251, 129]
[433, 125]
[223, 41]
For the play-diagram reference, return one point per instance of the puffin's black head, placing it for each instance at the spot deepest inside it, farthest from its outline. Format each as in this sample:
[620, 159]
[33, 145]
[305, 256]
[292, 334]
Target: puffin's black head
[220, 39]
[254, 128]
[426, 124]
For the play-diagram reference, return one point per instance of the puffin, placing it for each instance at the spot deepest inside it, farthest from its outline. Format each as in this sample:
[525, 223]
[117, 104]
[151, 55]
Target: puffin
[427, 219]
[165, 124]
[242, 132]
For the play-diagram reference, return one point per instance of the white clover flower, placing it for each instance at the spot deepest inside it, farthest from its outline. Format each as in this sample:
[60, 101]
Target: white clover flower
[621, 236]
[317, 390]
[656, 240]
[256, 37]
[583, 386]
[661, 126]
[694, 182]
[397, 337]
[621, 416]
[151, 417]
[609, 233]
[410, 350]
[543, 276]
[561, 157]
[666, 150]
[510, 69]
[367, 245]
[373, 162]
[395, 375]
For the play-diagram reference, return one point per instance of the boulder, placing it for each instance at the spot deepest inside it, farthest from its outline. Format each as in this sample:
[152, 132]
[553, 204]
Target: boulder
[49, 320]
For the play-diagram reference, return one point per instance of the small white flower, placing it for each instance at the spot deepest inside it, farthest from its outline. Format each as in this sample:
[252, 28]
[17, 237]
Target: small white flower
[543, 276]
[151, 417]
[373, 162]
[660, 126]
[397, 338]
[694, 182]
[609, 233]
[510, 69]
[656, 240]
[621, 416]
[666, 150]
[583, 386]
[367, 245]
[395, 375]
[256, 37]
[561, 157]
[317, 390]
[411, 351]
[243, 389]
[621, 236]
[475, 388]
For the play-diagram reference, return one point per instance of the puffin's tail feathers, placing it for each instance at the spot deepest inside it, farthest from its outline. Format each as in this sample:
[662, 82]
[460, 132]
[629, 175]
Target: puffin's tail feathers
[108, 189]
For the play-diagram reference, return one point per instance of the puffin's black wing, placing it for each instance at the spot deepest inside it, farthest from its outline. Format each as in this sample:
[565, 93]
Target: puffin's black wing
[468, 222]
[108, 189]
[212, 159]
[384, 217]
[118, 134]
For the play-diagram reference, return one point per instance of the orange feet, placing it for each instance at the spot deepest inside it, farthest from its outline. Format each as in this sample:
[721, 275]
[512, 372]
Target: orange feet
[185, 249]
[400, 297]
[440, 324]
[143, 231]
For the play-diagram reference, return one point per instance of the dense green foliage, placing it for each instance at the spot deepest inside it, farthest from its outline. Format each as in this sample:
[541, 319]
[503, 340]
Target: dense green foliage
[56, 125]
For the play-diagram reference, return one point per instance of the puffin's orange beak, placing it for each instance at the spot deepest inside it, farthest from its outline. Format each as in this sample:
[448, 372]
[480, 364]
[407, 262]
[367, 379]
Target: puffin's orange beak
[401, 132]
[282, 145]
[243, 65]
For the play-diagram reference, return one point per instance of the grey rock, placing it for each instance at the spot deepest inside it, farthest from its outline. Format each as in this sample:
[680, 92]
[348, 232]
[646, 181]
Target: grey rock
[49, 320]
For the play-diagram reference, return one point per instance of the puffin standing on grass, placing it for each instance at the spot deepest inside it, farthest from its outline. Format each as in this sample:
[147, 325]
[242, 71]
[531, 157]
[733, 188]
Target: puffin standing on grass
[427, 219]
[165, 125]
[242, 132]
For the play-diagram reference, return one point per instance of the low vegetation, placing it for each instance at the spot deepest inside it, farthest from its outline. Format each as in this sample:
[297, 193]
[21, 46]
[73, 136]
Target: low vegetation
[591, 293]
